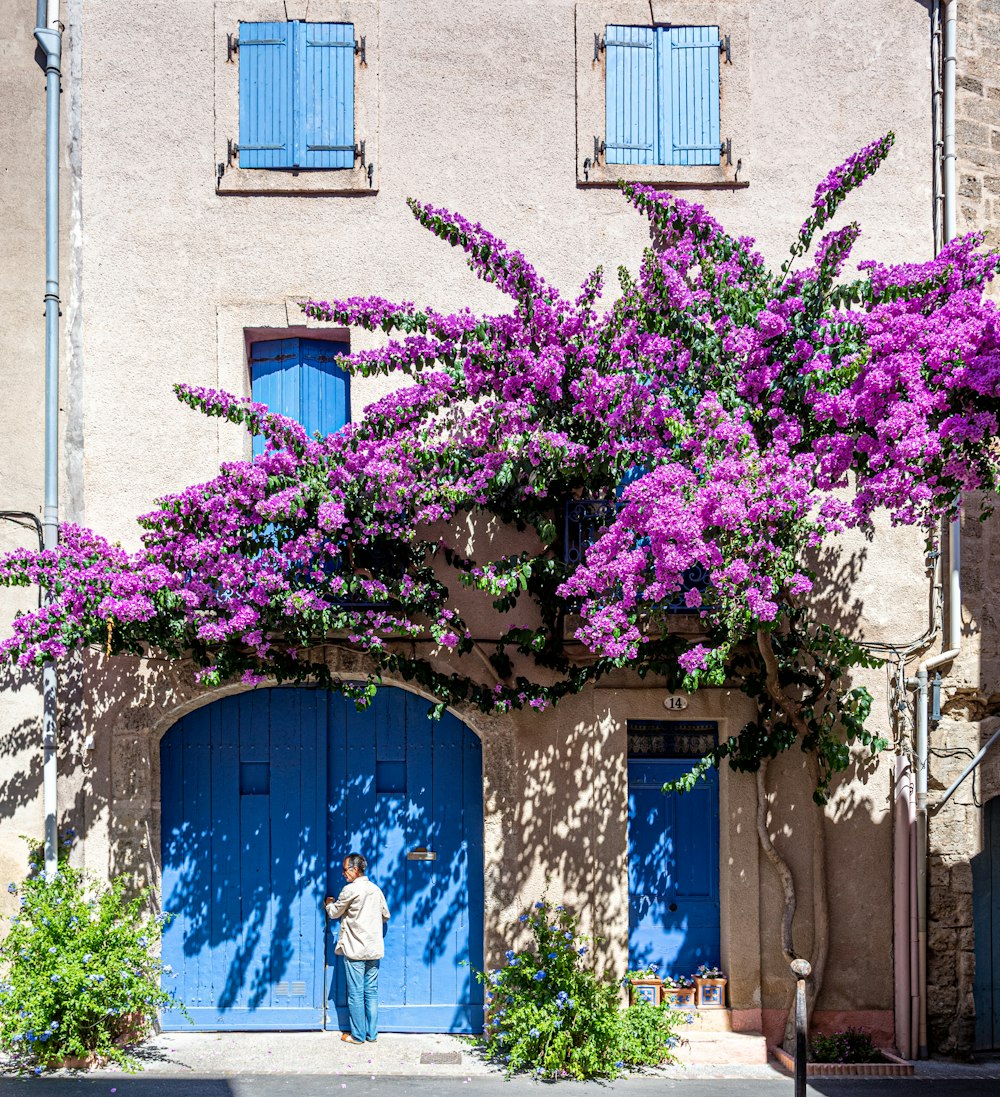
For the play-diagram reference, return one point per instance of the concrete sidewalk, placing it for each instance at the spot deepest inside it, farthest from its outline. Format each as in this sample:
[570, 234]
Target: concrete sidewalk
[224, 1054]
[232, 1055]
[240, 1054]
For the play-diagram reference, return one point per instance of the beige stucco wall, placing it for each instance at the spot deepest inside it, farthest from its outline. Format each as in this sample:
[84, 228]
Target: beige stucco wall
[476, 111]
[22, 370]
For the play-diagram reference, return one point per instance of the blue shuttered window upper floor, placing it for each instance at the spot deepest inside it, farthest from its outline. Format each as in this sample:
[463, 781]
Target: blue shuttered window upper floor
[296, 95]
[662, 95]
[301, 378]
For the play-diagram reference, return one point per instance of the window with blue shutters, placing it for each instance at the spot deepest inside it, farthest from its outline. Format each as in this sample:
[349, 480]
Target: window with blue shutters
[301, 378]
[662, 95]
[296, 95]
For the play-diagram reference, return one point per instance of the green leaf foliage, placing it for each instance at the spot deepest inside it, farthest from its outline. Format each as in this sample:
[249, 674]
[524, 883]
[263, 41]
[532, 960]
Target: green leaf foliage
[81, 977]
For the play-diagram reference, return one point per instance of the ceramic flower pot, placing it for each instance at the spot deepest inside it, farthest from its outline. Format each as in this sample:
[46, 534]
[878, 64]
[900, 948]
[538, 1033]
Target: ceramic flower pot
[711, 993]
[679, 997]
[648, 990]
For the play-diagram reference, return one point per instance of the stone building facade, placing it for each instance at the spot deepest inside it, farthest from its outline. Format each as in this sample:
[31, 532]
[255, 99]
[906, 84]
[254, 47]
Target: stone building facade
[971, 701]
[176, 260]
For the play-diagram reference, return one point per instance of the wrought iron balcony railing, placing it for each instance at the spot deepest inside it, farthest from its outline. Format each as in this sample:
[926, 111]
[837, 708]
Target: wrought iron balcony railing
[583, 520]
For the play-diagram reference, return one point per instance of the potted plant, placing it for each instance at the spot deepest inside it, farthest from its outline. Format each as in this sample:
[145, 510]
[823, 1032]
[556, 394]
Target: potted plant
[711, 986]
[644, 984]
[679, 992]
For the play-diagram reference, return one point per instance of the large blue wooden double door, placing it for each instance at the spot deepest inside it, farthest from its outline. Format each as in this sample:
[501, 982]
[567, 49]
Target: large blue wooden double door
[262, 796]
[673, 869]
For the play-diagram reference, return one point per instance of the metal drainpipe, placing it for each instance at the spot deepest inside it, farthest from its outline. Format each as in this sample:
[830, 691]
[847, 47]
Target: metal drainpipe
[949, 62]
[955, 530]
[920, 682]
[937, 155]
[49, 38]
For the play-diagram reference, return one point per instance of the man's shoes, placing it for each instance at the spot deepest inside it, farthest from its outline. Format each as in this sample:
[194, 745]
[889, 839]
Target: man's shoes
[349, 1039]
[372, 1039]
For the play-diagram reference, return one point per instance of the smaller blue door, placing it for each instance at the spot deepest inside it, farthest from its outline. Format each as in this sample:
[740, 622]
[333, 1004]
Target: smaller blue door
[986, 920]
[673, 869]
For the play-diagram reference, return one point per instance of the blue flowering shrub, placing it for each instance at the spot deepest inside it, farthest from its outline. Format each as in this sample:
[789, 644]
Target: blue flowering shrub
[79, 973]
[548, 1013]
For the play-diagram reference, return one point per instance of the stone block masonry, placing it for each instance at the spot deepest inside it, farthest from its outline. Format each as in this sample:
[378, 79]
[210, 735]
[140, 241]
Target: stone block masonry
[977, 115]
[970, 712]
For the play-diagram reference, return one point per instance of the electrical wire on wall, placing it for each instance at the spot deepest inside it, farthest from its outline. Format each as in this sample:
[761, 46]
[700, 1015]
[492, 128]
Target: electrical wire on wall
[26, 520]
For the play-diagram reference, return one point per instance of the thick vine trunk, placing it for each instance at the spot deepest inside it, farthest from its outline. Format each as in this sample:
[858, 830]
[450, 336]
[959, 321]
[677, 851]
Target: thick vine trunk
[821, 913]
[821, 909]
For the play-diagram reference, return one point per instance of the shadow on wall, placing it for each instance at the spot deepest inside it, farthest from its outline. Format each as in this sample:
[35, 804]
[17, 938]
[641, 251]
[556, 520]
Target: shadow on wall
[22, 740]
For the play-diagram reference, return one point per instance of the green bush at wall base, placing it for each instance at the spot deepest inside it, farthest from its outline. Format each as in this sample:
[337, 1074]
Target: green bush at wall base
[80, 974]
[852, 1045]
[549, 1014]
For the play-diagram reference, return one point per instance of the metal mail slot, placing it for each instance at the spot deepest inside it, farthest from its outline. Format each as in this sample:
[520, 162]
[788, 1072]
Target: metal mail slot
[421, 854]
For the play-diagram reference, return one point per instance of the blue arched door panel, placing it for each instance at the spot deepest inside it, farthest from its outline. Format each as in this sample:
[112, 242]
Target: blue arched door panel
[263, 795]
[244, 861]
[407, 792]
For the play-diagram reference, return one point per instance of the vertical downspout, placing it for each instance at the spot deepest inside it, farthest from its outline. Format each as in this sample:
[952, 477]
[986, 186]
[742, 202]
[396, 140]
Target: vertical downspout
[909, 895]
[950, 62]
[937, 152]
[902, 841]
[49, 38]
[949, 191]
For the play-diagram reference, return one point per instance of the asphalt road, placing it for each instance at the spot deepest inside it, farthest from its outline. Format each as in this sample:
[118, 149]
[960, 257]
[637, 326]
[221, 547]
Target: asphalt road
[325, 1086]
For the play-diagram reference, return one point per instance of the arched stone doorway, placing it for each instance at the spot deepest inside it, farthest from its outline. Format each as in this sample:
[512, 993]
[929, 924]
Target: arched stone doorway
[262, 795]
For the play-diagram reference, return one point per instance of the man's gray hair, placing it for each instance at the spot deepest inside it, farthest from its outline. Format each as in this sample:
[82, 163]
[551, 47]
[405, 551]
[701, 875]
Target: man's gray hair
[357, 862]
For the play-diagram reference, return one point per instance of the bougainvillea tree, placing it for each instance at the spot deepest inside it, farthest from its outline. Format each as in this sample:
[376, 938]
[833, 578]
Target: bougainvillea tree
[729, 417]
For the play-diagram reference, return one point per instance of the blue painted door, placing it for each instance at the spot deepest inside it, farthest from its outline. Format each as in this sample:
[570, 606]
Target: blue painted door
[263, 795]
[673, 869]
[986, 921]
[244, 861]
[407, 792]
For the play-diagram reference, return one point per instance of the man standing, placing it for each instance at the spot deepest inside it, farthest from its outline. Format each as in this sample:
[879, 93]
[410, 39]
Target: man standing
[362, 910]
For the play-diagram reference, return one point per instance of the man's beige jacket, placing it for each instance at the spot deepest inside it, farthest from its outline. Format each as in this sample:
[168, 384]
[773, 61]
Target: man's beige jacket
[362, 909]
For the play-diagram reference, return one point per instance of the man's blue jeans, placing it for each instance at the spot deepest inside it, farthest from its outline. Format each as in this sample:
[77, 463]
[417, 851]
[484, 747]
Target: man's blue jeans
[362, 997]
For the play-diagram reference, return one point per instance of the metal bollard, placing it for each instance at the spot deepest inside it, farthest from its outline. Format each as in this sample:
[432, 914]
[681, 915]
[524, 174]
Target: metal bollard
[802, 969]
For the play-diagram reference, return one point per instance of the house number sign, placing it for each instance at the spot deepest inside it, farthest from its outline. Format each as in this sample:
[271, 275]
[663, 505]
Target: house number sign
[674, 702]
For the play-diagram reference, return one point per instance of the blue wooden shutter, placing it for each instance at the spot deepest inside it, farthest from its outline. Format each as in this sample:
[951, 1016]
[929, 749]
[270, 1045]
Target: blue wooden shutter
[325, 394]
[300, 378]
[630, 96]
[325, 130]
[267, 95]
[275, 380]
[688, 79]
